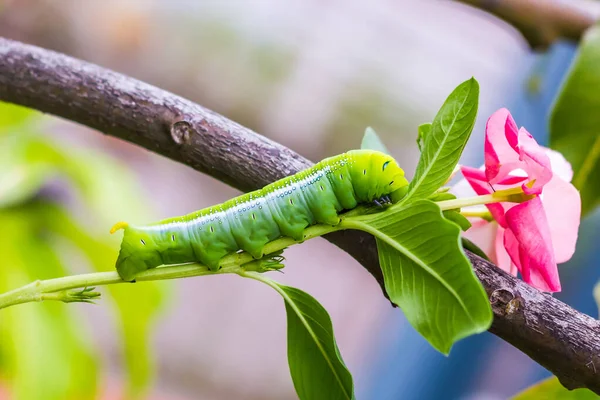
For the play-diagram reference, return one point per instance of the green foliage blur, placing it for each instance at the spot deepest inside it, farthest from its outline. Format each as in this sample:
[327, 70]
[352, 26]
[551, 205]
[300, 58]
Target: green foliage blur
[57, 203]
[575, 119]
[551, 389]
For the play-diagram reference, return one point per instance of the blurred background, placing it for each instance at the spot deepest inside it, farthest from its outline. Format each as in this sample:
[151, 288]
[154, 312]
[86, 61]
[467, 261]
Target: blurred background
[311, 75]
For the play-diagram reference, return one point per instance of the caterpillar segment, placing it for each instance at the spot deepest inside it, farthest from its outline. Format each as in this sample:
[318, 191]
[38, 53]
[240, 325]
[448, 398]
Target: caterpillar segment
[248, 222]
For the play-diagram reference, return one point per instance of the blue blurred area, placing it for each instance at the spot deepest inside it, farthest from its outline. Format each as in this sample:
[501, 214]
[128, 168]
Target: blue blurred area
[483, 366]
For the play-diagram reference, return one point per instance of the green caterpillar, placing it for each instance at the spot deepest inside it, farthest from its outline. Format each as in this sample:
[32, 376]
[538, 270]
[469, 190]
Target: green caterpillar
[248, 222]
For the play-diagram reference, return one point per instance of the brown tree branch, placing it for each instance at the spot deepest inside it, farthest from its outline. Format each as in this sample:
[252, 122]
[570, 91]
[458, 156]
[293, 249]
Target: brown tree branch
[558, 337]
[541, 22]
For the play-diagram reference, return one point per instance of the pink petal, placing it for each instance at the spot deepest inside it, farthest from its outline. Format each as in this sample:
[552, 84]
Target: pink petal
[501, 140]
[536, 162]
[560, 165]
[482, 233]
[478, 182]
[512, 180]
[488, 236]
[462, 188]
[511, 245]
[500, 255]
[528, 224]
[562, 205]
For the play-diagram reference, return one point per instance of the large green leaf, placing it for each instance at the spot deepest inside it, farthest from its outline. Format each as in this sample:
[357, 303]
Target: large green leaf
[371, 141]
[443, 143]
[551, 389]
[316, 366]
[426, 272]
[575, 120]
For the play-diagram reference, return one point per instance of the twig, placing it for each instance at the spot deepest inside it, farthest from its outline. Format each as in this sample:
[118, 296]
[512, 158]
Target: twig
[232, 264]
[43, 290]
[552, 333]
[541, 22]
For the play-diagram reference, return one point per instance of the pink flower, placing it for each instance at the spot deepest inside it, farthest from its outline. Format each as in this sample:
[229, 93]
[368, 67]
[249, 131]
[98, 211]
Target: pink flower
[533, 236]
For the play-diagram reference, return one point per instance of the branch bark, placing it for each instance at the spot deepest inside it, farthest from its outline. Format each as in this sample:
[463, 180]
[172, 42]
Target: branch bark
[541, 22]
[558, 337]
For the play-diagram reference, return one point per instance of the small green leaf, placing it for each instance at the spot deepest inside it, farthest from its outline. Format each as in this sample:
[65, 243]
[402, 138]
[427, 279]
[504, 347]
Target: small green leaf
[86, 295]
[473, 248]
[441, 196]
[371, 141]
[551, 389]
[424, 130]
[444, 143]
[575, 119]
[316, 366]
[456, 217]
[426, 272]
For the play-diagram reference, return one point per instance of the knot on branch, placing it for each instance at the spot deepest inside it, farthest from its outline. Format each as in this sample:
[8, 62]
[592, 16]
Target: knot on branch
[507, 303]
[181, 131]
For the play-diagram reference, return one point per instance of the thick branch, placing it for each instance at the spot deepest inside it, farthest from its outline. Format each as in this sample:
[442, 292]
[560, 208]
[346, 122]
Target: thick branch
[541, 22]
[558, 337]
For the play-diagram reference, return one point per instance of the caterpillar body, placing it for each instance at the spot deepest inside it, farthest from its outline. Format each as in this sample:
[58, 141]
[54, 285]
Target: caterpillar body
[248, 222]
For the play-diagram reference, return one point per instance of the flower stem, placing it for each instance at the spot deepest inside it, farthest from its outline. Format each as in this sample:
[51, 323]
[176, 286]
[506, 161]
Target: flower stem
[483, 214]
[513, 195]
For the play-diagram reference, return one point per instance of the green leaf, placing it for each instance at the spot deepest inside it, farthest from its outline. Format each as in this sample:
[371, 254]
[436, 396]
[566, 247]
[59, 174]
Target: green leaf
[441, 196]
[442, 146]
[551, 389]
[316, 366]
[473, 248]
[315, 362]
[371, 141]
[424, 130]
[456, 217]
[575, 119]
[426, 272]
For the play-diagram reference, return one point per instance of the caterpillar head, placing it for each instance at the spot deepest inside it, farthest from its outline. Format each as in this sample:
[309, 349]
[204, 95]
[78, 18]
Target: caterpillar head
[375, 174]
